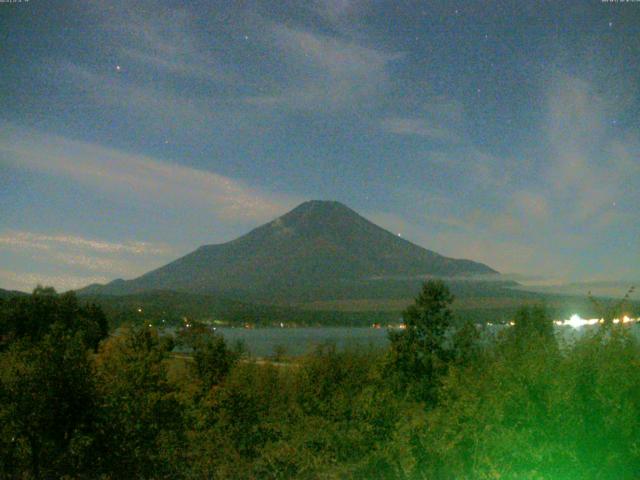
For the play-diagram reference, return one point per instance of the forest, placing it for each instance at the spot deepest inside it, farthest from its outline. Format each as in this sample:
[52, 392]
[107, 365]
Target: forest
[445, 400]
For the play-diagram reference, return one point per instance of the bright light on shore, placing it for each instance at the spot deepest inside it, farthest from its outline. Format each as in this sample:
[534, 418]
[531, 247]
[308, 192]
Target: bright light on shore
[575, 321]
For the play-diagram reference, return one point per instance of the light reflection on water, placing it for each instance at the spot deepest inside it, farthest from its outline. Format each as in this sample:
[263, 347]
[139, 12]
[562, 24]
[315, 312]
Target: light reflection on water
[262, 342]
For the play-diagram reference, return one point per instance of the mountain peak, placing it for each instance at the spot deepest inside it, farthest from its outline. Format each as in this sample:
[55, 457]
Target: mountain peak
[309, 251]
[321, 206]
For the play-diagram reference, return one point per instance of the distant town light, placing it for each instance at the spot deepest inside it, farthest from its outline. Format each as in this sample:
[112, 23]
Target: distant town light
[575, 321]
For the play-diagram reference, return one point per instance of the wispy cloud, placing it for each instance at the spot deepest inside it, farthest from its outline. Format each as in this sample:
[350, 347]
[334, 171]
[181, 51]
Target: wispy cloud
[163, 38]
[26, 281]
[330, 73]
[142, 177]
[19, 239]
[420, 114]
[336, 11]
[75, 254]
[589, 170]
[418, 127]
[159, 106]
[542, 215]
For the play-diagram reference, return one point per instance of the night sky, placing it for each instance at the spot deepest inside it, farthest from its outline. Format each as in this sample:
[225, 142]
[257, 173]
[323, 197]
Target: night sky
[133, 132]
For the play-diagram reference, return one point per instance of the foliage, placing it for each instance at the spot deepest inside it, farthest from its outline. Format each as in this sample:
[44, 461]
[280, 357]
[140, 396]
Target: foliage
[47, 407]
[531, 324]
[34, 315]
[212, 359]
[608, 312]
[443, 402]
[142, 415]
[419, 353]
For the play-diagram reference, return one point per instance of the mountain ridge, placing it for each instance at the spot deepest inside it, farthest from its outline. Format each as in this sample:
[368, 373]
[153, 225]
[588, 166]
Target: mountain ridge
[318, 243]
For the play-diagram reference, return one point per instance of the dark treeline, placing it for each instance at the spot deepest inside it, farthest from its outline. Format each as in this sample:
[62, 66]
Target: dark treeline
[168, 308]
[77, 403]
[473, 304]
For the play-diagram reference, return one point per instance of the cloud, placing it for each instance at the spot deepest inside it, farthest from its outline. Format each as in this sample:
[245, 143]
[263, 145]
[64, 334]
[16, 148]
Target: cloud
[145, 178]
[175, 72]
[163, 70]
[462, 240]
[532, 205]
[163, 38]
[475, 170]
[550, 214]
[27, 281]
[160, 107]
[589, 171]
[423, 114]
[329, 73]
[418, 127]
[21, 240]
[75, 254]
[335, 11]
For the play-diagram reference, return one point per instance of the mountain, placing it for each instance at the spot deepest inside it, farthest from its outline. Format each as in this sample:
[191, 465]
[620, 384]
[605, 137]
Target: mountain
[320, 249]
[6, 294]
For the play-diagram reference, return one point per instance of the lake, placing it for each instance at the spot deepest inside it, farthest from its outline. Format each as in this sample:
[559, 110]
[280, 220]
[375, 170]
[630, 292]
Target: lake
[261, 342]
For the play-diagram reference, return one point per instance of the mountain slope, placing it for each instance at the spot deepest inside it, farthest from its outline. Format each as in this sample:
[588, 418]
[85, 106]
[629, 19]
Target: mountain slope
[313, 247]
[6, 294]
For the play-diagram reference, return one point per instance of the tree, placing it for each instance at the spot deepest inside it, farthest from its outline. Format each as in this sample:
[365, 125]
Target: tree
[532, 324]
[142, 417]
[47, 408]
[419, 352]
[34, 316]
[212, 359]
[611, 310]
[466, 344]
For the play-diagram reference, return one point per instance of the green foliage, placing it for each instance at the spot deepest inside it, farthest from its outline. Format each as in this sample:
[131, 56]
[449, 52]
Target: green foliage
[540, 413]
[47, 407]
[532, 321]
[514, 406]
[611, 310]
[419, 353]
[466, 344]
[212, 359]
[143, 424]
[33, 316]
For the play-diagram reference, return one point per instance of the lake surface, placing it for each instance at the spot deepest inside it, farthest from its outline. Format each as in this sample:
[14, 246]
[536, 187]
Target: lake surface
[262, 342]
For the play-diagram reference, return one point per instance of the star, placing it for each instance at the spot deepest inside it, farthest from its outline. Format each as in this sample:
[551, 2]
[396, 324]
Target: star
[118, 68]
[246, 37]
[610, 24]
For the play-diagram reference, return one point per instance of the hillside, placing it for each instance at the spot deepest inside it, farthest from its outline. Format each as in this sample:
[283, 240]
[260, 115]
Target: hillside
[5, 294]
[319, 250]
